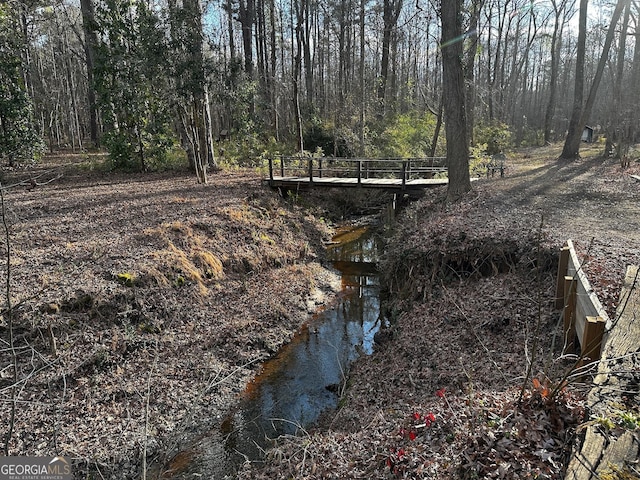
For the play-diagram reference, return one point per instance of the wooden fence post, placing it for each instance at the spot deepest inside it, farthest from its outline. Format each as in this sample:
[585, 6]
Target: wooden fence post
[563, 263]
[591, 341]
[282, 165]
[271, 169]
[359, 172]
[311, 171]
[569, 314]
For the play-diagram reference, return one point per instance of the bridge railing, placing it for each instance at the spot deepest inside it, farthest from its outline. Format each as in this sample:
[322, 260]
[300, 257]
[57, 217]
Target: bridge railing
[359, 168]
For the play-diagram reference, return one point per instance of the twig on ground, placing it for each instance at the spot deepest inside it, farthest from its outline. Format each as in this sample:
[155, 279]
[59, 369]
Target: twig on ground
[9, 314]
[146, 413]
[475, 334]
[536, 335]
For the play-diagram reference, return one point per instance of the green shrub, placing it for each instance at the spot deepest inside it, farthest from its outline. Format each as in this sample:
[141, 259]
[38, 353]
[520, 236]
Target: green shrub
[122, 151]
[532, 137]
[159, 150]
[408, 135]
[333, 142]
[495, 135]
[247, 150]
[478, 159]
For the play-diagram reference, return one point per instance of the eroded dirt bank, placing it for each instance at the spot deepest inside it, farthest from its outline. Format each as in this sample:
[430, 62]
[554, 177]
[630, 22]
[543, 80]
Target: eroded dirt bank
[446, 393]
[143, 304]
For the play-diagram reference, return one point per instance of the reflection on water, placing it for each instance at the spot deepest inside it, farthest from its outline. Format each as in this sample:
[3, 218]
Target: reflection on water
[305, 378]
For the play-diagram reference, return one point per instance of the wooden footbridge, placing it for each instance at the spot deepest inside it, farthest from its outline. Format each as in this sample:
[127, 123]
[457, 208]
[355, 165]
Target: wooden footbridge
[395, 174]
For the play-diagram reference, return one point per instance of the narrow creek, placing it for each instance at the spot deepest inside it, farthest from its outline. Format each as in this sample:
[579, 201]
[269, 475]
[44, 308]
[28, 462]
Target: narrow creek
[308, 375]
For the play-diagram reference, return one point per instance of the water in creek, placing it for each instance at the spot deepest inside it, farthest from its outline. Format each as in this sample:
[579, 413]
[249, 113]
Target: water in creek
[306, 377]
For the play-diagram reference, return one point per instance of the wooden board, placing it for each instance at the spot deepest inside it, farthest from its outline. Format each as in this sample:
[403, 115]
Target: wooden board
[382, 183]
[615, 390]
[588, 304]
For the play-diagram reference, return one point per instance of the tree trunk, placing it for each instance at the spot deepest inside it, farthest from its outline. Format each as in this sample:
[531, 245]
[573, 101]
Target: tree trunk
[618, 113]
[297, 66]
[342, 52]
[436, 130]
[454, 95]
[556, 45]
[390, 14]
[604, 57]
[635, 81]
[261, 46]
[571, 149]
[470, 60]
[572, 143]
[306, 47]
[90, 44]
[361, 75]
[246, 17]
[208, 130]
[274, 74]
[228, 8]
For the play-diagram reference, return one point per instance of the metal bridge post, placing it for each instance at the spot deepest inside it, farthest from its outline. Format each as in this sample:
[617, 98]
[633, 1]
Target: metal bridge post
[404, 174]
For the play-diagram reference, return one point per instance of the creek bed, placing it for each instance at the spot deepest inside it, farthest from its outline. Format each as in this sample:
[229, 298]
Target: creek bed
[308, 374]
[306, 377]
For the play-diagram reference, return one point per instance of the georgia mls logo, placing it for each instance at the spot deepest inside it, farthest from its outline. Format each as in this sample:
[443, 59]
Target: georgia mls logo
[35, 468]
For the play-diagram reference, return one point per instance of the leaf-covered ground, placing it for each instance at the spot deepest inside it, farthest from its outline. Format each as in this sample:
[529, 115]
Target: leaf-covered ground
[144, 303]
[448, 392]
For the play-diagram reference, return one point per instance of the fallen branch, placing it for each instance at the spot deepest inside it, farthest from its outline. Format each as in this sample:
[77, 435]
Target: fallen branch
[32, 182]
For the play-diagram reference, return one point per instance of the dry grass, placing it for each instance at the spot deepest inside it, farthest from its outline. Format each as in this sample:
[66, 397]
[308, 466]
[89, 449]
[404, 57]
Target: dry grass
[186, 257]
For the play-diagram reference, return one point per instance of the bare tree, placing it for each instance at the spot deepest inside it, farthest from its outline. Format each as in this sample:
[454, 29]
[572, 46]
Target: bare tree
[453, 86]
[574, 134]
[620, 116]
[390, 13]
[560, 17]
[580, 115]
[297, 67]
[90, 44]
[470, 60]
[635, 76]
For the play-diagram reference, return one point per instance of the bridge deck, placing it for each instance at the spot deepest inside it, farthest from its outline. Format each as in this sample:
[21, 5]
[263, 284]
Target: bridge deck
[381, 183]
[388, 173]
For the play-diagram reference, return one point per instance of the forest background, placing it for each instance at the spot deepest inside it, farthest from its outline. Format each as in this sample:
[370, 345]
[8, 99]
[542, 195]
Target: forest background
[230, 82]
